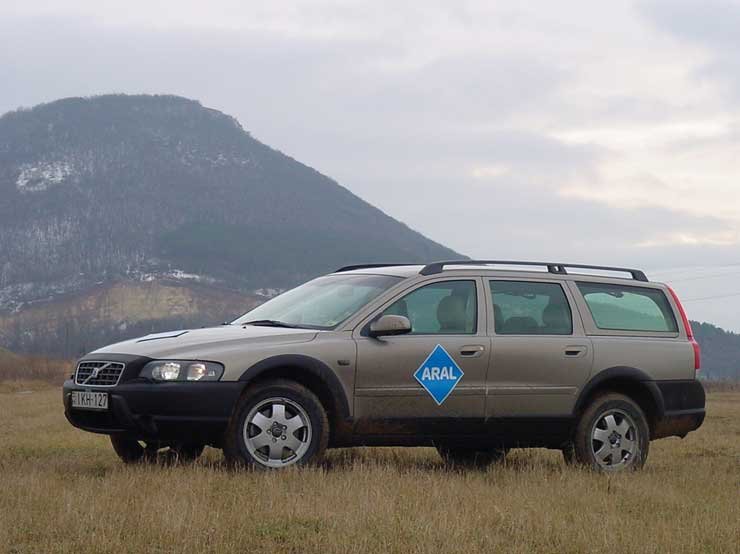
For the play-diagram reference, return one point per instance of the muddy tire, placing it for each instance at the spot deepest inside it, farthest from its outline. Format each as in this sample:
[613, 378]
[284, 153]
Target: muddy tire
[569, 454]
[277, 424]
[612, 435]
[132, 451]
[129, 450]
[187, 453]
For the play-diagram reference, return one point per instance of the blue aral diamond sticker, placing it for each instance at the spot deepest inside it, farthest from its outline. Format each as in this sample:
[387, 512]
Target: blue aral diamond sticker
[439, 374]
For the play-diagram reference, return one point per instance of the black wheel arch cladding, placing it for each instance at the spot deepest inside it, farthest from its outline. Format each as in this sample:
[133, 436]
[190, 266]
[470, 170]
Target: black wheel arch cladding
[314, 367]
[623, 375]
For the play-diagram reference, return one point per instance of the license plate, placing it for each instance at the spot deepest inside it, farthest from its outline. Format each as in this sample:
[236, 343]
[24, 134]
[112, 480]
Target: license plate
[89, 400]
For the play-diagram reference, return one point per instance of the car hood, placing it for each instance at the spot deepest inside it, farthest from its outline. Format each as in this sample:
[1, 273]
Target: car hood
[208, 343]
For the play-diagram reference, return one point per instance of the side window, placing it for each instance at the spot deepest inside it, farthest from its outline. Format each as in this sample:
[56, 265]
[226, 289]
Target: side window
[628, 308]
[445, 308]
[528, 308]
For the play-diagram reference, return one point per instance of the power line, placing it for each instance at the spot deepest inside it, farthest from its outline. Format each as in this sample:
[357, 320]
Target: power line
[679, 270]
[712, 297]
[700, 277]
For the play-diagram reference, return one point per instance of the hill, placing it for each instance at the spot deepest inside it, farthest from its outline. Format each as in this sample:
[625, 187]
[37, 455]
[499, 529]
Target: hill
[114, 192]
[720, 352]
[122, 215]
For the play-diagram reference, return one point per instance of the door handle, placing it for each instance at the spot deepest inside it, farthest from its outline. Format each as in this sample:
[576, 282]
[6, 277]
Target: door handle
[472, 351]
[575, 351]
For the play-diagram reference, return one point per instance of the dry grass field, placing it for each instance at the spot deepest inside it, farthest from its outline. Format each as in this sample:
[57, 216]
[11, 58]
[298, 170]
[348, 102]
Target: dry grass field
[62, 490]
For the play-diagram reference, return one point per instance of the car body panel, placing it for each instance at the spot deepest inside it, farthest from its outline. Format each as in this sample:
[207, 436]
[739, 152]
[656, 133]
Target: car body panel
[223, 344]
[659, 358]
[386, 385]
[537, 374]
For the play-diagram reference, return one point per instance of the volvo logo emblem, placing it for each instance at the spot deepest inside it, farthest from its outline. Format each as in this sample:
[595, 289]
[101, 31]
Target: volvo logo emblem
[95, 372]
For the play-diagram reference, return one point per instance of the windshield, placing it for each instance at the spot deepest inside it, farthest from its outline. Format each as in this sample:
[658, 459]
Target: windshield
[322, 303]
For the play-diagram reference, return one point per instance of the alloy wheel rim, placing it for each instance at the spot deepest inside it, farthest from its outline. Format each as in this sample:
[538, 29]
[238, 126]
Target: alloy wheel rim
[277, 432]
[614, 441]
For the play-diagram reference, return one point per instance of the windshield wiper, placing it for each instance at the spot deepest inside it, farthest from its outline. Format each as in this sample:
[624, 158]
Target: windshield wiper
[271, 323]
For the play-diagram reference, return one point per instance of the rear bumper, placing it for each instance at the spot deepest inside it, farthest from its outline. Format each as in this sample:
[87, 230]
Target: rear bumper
[683, 408]
[186, 412]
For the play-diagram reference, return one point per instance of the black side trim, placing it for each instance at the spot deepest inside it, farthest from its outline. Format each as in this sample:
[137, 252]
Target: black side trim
[623, 373]
[304, 363]
[678, 424]
[513, 432]
[682, 396]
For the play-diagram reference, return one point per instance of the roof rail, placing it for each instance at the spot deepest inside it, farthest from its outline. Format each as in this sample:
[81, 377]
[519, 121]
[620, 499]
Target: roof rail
[369, 266]
[552, 267]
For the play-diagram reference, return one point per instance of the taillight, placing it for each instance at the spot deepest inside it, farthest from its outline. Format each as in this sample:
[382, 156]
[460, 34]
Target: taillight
[689, 330]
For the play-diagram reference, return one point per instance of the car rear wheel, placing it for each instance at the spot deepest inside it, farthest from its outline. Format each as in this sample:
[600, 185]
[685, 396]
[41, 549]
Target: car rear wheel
[133, 451]
[457, 456]
[277, 424]
[612, 435]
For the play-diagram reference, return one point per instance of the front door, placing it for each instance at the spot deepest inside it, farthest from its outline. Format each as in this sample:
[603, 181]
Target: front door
[424, 381]
[541, 355]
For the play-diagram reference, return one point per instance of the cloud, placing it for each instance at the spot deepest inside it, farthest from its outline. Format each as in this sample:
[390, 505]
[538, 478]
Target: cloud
[711, 25]
[580, 132]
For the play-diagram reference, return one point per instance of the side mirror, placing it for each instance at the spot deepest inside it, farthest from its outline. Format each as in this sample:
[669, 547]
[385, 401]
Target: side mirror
[390, 325]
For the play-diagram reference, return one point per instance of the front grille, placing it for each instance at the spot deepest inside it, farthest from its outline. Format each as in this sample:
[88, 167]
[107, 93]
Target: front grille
[99, 374]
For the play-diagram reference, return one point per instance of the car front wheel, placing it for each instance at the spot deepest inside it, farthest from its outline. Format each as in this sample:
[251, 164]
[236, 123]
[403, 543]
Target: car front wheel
[133, 451]
[611, 435]
[277, 424]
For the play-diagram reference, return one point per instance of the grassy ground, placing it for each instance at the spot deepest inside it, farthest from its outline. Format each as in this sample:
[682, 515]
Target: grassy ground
[62, 490]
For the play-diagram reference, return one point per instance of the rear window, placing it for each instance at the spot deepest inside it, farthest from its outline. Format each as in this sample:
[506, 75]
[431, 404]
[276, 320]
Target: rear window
[627, 308]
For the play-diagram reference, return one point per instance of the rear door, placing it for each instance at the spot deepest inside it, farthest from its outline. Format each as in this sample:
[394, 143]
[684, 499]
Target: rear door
[634, 326]
[447, 314]
[540, 354]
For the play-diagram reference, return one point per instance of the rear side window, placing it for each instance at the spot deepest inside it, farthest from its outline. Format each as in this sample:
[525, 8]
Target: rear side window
[528, 308]
[626, 308]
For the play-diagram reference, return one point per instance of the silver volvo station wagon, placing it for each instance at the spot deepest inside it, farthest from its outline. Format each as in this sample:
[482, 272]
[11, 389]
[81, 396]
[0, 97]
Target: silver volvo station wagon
[471, 357]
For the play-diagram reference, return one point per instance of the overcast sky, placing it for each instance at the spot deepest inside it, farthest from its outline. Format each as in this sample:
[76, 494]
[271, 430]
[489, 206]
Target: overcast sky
[577, 131]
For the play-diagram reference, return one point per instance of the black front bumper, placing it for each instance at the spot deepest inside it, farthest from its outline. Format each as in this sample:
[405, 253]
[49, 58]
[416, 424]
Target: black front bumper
[683, 408]
[183, 412]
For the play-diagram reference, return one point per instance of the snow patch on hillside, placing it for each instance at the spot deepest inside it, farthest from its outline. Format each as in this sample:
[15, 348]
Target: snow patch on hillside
[175, 274]
[41, 176]
[268, 293]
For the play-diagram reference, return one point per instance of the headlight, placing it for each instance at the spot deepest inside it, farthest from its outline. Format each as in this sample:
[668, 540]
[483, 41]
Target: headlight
[177, 370]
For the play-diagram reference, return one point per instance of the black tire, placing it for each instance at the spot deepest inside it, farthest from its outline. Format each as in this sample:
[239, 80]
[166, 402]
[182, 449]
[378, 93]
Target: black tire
[464, 457]
[297, 401]
[569, 454]
[187, 453]
[132, 451]
[619, 444]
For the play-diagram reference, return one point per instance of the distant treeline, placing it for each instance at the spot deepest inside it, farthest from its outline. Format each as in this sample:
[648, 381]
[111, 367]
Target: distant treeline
[33, 368]
[720, 352]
